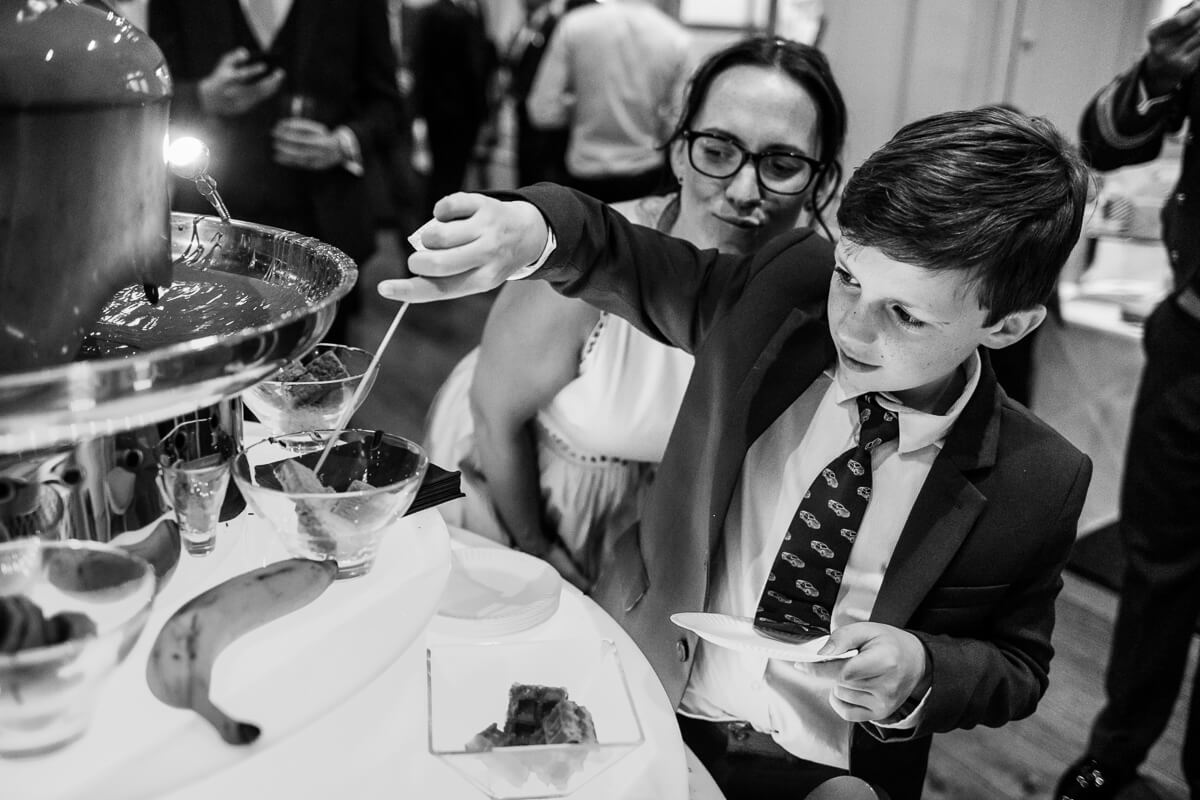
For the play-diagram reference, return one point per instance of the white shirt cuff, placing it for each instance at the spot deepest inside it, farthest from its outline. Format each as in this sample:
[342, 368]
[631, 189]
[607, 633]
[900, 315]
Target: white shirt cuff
[909, 722]
[526, 271]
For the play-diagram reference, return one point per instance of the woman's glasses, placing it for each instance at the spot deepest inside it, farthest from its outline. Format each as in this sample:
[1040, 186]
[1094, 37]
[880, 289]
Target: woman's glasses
[778, 171]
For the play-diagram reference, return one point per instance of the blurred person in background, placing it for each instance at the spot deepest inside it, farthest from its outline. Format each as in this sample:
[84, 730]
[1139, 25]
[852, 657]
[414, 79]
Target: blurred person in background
[541, 152]
[613, 75]
[1126, 123]
[556, 450]
[397, 188]
[454, 66]
[292, 100]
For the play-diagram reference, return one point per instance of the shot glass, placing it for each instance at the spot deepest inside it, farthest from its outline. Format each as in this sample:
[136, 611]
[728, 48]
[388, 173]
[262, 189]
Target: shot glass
[194, 470]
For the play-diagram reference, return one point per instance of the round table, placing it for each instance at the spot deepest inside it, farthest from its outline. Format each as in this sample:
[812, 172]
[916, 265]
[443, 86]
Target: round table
[339, 689]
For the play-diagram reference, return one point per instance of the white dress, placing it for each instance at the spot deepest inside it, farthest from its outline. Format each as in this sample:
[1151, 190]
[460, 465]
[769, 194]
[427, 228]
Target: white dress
[598, 440]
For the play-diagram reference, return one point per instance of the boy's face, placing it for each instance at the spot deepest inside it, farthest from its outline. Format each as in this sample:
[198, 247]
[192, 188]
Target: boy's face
[905, 329]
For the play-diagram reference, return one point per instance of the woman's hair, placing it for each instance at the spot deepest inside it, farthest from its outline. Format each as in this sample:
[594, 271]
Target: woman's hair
[805, 65]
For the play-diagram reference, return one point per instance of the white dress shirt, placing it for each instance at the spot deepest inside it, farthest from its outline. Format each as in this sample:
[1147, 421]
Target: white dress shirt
[789, 701]
[266, 18]
[614, 74]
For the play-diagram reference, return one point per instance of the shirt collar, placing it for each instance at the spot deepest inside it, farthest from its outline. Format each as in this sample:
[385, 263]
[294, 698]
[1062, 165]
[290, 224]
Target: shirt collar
[918, 429]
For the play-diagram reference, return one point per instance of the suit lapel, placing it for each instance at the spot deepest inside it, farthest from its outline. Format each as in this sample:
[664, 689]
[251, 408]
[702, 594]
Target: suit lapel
[946, 507]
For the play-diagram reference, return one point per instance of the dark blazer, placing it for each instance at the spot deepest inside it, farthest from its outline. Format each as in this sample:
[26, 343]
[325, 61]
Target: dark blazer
[541, 152]
[453, 63]
[337, 51]
[978, 565]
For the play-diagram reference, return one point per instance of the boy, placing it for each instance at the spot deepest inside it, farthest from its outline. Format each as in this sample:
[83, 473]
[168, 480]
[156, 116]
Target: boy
[953, 236]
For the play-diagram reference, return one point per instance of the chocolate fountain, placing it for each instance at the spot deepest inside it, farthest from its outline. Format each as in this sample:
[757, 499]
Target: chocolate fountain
[116, 315]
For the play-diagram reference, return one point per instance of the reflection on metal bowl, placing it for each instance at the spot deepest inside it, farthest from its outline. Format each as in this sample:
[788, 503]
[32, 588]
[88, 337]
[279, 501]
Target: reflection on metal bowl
[248, 299]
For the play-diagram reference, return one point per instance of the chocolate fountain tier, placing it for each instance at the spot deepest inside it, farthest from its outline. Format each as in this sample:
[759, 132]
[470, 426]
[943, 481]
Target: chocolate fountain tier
[244, 300]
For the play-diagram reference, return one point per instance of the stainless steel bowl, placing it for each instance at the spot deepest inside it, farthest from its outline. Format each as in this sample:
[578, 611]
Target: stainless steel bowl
[245, 299]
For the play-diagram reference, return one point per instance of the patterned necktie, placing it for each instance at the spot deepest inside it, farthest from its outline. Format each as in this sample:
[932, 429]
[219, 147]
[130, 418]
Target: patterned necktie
[804, 581]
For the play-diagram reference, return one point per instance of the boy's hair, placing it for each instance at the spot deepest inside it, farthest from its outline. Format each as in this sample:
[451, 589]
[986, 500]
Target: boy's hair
[990, 190]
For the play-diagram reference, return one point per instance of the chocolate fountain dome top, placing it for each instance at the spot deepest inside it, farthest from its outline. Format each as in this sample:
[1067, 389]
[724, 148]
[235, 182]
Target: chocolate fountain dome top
[64, 54]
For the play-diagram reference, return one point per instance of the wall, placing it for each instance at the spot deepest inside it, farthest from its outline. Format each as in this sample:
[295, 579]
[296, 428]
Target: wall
[899, 60]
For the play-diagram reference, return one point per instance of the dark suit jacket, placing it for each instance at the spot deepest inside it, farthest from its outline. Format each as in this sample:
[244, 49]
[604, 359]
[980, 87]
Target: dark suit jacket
[337, 51]
[978, 565]
[453, 62]
[541, 152]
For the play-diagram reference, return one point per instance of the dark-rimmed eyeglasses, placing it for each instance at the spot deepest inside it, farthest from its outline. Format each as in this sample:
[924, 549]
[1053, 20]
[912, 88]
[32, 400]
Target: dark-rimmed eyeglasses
[778, 171]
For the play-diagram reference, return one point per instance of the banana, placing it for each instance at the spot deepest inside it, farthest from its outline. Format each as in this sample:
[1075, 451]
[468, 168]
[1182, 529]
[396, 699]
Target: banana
[179, 669]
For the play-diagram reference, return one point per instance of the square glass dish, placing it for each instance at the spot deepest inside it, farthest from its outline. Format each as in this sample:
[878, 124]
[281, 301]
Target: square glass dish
[469, 691]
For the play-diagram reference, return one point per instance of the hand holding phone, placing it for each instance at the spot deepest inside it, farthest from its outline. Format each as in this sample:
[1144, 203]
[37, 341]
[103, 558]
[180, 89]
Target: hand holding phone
[235, 86]
[257, 67]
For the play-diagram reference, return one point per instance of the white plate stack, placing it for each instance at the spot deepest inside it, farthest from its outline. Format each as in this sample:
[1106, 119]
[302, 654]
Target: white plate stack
[493, 592]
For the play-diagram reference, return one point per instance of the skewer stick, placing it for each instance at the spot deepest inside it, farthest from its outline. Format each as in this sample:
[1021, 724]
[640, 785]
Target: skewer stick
[362, 387]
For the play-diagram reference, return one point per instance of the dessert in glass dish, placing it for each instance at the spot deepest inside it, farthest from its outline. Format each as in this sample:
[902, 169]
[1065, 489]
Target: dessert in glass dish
[312, 393]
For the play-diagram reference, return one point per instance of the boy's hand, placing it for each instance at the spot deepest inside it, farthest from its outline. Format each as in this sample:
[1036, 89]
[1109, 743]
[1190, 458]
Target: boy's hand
[472, 245]
[1174, 50]
[891, 666]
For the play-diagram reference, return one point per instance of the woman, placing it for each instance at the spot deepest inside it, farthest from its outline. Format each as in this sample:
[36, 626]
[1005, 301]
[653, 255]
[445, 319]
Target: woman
[555, 451]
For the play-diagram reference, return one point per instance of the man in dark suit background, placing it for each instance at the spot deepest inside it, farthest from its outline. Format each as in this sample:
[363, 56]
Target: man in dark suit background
[291, 97]
[1126, 123]
[541, 152]
[454, 65]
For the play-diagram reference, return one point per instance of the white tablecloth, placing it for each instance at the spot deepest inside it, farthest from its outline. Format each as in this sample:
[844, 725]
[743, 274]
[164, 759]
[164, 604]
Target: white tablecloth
[375, 745]
[365, 741]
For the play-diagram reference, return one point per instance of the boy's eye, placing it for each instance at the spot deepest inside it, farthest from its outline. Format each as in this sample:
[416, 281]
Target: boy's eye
[844, 277]
[907, 319]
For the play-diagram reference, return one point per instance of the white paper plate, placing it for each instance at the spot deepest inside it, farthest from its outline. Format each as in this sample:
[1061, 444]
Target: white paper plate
[494, 591]
[737, 633]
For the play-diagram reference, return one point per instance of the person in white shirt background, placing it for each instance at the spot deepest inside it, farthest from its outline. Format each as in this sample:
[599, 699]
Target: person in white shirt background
[613, 75]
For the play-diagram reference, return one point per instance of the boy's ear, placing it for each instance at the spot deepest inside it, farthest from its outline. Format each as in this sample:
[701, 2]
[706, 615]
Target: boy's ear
[1014, 327]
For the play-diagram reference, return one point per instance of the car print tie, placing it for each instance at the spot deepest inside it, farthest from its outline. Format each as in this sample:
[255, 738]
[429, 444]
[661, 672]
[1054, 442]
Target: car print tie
[803, 584]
